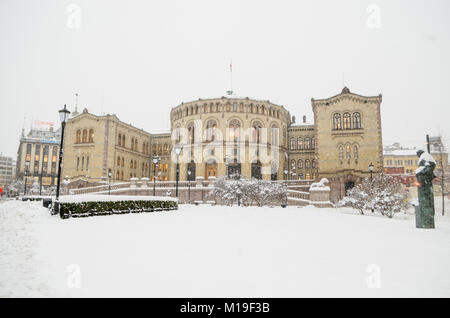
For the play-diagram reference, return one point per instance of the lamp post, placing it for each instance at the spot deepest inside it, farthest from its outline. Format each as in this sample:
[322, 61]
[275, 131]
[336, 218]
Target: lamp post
[189, 186]
[285, 182]
[109, 183]
[63, 116]
[27, 167]
[40, 183]
[155, 162]
[371, 179]
[177, 152]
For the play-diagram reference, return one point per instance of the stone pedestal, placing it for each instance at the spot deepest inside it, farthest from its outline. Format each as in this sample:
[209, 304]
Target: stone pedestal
[144, 182]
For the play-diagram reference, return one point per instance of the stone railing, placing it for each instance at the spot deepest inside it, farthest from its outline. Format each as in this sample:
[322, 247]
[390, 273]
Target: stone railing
[199, 190]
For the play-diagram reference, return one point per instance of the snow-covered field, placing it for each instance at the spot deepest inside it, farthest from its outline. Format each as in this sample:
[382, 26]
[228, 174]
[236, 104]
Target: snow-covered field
[221, 252]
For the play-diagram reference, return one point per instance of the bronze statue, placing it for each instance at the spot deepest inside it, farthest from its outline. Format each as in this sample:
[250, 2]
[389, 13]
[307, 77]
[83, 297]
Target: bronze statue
[425, 175]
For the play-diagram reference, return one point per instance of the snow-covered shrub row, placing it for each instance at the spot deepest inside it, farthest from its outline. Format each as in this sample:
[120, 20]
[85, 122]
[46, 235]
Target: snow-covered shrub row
[384, 194]
[90, 205]
[237, 189]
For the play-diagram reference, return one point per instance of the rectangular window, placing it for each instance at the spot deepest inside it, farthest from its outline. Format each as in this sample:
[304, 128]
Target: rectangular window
[54, 158]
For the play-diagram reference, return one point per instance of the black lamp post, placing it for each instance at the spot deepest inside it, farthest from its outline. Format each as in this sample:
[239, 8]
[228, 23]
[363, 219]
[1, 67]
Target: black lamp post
[40, 183]
[109, 183]
[371, 179]
[177, 152]
[189, 186]
[285, 182]
[27, 166]
[155, 162]
[63, 116]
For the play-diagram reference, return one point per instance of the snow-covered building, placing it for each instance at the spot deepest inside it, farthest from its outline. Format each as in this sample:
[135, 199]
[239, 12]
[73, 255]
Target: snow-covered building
[7, 170]
[38, 155]
[229, 134]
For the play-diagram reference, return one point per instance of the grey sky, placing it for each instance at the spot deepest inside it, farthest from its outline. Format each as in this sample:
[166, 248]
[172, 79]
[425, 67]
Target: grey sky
[138, 59]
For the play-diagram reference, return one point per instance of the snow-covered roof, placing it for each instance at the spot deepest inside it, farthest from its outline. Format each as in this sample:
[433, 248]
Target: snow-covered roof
[301, 124]
[400, 152]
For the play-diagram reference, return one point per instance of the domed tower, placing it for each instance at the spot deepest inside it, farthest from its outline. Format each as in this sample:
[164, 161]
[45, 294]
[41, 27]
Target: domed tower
[230, 135]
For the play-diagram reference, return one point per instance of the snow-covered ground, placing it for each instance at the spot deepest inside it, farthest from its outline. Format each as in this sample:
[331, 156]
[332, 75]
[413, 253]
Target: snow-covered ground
[221, 252]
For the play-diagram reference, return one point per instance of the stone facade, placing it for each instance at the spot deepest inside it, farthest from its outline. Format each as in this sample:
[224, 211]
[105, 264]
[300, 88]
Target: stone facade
[348, 139]
[227, 135]
[38, 156]
[94, 145]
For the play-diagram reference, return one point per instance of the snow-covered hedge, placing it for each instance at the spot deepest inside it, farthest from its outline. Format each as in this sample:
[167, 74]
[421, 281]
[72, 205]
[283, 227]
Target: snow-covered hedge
[90, 205]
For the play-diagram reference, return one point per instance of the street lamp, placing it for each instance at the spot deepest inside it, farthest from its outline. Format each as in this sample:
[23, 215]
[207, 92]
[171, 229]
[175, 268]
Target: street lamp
[63, 116]
[109, 177]
[285, 182]
[178, 149]
[189, 186]
[27, 167]
[371, 171]
[371, 179]
[155, 162]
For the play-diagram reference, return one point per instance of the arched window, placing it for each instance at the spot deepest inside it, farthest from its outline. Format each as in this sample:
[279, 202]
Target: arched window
[120, 140]
[313, 162]
[355, 152]
[123, 164]
[91, 135]
[211, 127]
[293, 144]
[347, 123]
[132, 143]
[166, 148]
[123, 140]
[234, 130]
[78, 140]
[300, 143]
[154, 149]
[118, 160]
[313, 143]
[337, 121]
[135, 145]
[85, 135]
[293, 164]
[307, 143]
[256, 131]
[347, 152]
[300, 163]
[307, 166]
[275, 135]
[191, 133]
[356, 120]
[341, 153]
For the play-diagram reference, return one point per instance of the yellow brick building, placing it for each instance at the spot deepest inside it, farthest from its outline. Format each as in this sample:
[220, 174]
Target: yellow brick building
[229, 134]
[348, 139]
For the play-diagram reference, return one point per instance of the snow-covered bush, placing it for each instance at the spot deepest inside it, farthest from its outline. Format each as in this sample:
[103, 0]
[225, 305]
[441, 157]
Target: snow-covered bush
[248, 192]
[15, 188]
[384, 194]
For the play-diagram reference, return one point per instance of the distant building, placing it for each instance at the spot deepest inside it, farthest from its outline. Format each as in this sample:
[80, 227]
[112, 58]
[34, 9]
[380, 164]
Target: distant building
[37, 156]
[402, 162]
[7, 170]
